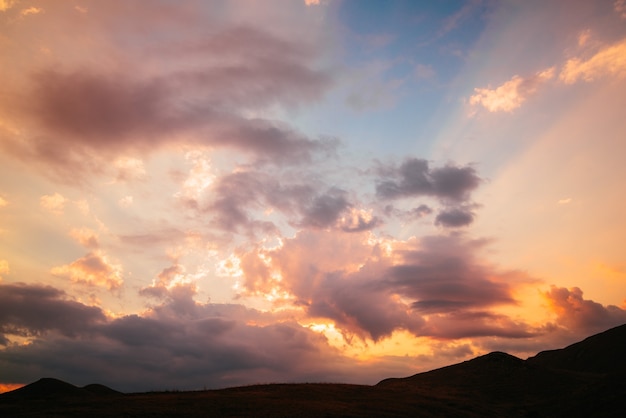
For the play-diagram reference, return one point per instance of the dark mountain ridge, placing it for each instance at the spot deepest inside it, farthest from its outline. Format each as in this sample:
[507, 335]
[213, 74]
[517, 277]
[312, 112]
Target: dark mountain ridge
[584, 379]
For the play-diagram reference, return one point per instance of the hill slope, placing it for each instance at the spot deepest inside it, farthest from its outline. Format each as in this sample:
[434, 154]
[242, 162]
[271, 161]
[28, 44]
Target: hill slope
[581, 380]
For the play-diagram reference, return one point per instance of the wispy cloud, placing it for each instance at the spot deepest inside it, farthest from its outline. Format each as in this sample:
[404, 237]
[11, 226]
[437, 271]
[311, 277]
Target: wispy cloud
[608, 61]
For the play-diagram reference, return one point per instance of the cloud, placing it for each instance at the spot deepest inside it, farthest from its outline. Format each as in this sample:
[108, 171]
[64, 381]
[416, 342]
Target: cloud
[609, 61]
[54, 203]
[82, 118]
[6, 4]
[427, 287]
[3, 202]
[454, 217]
[4, 268]
[85, 237]
[325, 209]
[28, 310]
[414, 177]
[31, 11]
[207, 345]
[620, 8]
[581, 315]
[312, 2]
[510, 95]
[358, 221]
[129, 169]
[93, 269]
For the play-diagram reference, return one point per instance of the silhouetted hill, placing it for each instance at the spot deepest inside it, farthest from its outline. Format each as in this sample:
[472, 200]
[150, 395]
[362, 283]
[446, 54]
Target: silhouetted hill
[47, 387]
[582, 380]
[600, 353]
[100, 390]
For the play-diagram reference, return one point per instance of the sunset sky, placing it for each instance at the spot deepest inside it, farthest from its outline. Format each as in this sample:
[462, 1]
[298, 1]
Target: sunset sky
[202, 194]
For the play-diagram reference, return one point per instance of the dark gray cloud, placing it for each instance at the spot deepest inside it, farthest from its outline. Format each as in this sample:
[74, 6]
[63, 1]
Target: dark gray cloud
[325, 209]
[414, 177]
[444, 275]
[413, 214]
[28, 310]
[454, 217]
[178, 344]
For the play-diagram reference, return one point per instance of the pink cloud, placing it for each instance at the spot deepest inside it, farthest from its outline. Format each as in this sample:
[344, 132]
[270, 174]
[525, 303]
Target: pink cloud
[580, 315]
[429, 288]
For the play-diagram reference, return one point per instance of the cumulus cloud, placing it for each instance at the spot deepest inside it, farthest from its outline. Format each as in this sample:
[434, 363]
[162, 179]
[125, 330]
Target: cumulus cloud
[358, 220]
[207, 345]
[454, 217]
[608, 61]
[325, 209]
[582, 315]
[371, 290]
[510, 95]
[28, 310]
[86, 237]
[414, 177]
[54, 203]
[93, 269]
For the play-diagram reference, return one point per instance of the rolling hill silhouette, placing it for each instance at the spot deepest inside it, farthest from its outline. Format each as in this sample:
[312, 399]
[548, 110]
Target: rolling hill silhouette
[585, 379]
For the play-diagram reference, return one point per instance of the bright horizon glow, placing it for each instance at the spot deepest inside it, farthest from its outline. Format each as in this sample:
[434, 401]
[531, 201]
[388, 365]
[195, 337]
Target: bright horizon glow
[230, 192]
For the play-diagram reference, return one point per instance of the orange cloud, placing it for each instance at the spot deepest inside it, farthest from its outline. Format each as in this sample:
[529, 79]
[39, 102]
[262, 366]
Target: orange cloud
[31, 11]
[53, 203]
[610, 60]
[7, 387]
[512, 94]
[6, 5]
[85, 237]
[93, 269]
[3, 202]
[4, 268]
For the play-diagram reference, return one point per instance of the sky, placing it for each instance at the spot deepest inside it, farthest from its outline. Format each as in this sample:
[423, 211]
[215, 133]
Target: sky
[204, 194]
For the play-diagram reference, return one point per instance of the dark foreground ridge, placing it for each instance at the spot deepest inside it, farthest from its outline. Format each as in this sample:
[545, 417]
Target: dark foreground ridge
[582, 380]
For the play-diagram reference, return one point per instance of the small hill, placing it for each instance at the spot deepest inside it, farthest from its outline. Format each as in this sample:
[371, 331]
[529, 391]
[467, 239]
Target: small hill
[50, 388]
[101, 390]
[601, 353]
[582, 380]
[47, 387]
